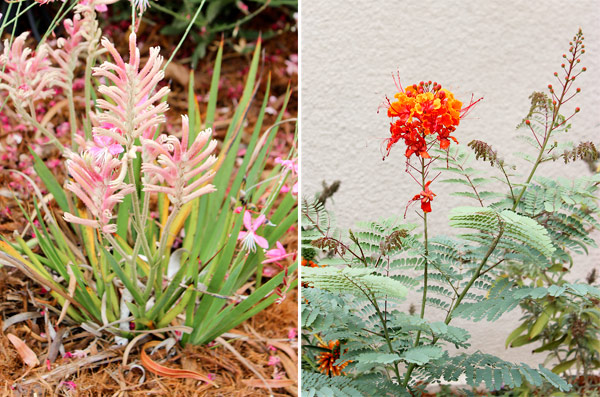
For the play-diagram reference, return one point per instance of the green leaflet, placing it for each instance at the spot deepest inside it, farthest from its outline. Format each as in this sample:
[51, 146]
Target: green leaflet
[356, 281]
[517, 227]
[421, 355]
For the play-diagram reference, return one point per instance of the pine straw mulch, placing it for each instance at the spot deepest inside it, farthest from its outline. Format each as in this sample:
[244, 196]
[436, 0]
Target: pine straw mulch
[238, 370]
[101, 373]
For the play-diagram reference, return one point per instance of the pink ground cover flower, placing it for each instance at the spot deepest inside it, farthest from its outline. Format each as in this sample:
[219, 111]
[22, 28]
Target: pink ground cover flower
[99, 185]
[168, 160]
[249, 237]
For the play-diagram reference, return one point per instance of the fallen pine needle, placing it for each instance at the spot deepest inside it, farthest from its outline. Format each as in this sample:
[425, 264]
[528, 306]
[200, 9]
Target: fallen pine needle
[241, 358]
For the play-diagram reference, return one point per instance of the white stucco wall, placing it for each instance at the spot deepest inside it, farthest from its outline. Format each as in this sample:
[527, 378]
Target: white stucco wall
[501, 50]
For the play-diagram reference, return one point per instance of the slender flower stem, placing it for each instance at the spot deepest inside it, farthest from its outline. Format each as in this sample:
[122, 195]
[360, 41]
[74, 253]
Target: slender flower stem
[155, 266]
[425, 278]
[72, 116]
[116, 245]
[89, 63]
[136, 212]
[40, 127]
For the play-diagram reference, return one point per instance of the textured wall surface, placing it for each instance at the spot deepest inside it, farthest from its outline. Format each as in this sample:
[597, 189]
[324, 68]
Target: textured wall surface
[501, 50]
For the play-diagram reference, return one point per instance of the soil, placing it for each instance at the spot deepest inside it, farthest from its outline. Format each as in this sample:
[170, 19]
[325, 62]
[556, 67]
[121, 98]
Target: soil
[263, 347]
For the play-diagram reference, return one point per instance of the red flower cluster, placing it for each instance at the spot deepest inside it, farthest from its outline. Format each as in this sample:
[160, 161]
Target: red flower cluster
[421, 110]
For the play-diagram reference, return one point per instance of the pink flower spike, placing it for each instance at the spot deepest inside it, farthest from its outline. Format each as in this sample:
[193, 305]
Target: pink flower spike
[99, 185]
[276, 254]
[137, 107]
[249, 238]
[169, 161]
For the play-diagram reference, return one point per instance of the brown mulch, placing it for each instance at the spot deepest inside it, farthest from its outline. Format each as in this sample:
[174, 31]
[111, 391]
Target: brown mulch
[101, 372]
[108, 377]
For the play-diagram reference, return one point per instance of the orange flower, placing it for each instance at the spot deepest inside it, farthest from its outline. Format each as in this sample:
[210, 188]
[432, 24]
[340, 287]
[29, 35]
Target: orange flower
[327, 359]
[421, 110]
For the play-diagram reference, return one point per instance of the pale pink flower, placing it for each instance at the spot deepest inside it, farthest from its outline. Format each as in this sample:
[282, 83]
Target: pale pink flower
[69, 49]
[99, 185]
[105, 148]
[276, 254]
[249, 238]
[168, 160]
[26, 75]
[289, 164]
[292, 166]
[291, 65]
[134, 112]
[98, 5]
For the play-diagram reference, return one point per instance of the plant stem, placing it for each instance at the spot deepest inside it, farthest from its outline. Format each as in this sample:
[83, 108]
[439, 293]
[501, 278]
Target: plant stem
[89, 63]
[411, 366]
[40, 127]
[425, 273]
[72, 116]
[136, 211]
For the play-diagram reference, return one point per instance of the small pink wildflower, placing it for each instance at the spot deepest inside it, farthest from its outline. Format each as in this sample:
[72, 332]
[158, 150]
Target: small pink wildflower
[238, 210]
[249, 238]
[269, 271]
[70, 384]
[53, 163]
[272, 348]
[292, 65]
[142, 5]
[273, 360]
[211, 376]
[63, 129]
[292, 333]
[292, 166]
[276, 254]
